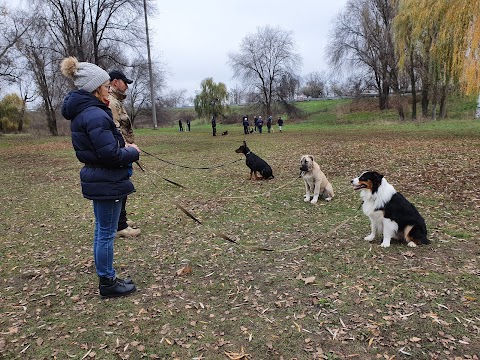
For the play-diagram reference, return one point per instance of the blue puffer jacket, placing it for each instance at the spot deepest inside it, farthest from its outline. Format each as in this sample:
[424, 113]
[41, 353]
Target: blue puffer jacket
[100, 146]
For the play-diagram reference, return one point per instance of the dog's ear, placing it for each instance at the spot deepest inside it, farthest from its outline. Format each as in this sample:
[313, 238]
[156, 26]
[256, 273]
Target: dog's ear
[311, 157]
[377, 180]
[244, 143]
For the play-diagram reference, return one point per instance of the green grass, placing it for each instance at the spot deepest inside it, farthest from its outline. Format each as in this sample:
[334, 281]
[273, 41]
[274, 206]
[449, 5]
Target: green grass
[366, 302]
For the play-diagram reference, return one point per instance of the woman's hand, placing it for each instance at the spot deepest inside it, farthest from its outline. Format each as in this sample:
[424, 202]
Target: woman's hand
[134, 146]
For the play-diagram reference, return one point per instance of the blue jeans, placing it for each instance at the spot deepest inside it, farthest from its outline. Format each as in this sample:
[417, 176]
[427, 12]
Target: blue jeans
[107, 213]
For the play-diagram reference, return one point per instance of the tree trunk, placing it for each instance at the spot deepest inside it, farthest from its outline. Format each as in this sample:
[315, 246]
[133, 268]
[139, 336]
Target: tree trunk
[385, 94]
[51, 118]
[413, 86]
[425, 102]
[383, 99]
[443, 103]
[401, 112]
[22, 116]
[477, 114]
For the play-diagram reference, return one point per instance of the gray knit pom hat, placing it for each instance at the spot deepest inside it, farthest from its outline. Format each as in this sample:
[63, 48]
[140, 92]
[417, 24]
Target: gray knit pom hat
[85, 76]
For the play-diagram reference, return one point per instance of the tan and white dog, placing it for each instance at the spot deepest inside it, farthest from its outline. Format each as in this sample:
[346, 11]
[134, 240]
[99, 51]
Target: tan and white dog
[316, 182]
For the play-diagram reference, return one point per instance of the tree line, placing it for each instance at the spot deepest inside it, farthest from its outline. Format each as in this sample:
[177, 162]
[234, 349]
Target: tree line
[405, 51]
[109, 33]
[426, 48]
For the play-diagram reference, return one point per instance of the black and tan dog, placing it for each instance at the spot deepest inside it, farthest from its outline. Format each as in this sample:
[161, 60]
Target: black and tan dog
[255, 164]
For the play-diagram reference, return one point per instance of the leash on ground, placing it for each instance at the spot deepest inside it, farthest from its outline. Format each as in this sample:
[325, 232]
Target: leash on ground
[216, 166]
[191, 216]
[186, 166]
[229, 239]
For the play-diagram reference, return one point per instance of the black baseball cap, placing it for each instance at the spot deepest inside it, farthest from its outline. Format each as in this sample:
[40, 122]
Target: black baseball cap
[117, 74]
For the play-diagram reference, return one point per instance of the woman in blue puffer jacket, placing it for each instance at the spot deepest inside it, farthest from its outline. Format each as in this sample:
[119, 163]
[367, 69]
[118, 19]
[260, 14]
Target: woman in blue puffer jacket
[104, 177]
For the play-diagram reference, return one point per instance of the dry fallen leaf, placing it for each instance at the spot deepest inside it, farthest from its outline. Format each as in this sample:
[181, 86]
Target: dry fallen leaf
[187, 269]
[309, 280]
[237, 356]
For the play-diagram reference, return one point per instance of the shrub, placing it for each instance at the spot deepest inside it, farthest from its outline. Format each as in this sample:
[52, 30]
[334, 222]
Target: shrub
[12, 114]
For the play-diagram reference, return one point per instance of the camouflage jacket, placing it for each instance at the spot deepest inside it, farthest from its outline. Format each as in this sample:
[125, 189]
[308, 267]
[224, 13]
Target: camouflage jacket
[120, 115]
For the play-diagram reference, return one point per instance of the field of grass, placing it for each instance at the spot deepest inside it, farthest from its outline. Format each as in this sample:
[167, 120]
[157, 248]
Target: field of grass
[319, 292]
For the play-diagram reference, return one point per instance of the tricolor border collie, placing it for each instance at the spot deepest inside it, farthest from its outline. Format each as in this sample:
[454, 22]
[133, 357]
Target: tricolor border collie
[389, 211]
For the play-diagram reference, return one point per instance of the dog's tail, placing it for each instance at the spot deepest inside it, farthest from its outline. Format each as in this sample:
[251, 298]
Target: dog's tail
[419, 234]
[267, 174]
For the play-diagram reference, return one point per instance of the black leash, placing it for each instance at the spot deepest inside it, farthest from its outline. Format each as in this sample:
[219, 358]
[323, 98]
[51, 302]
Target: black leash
[222, 235]
[189, 167]
[188, 213]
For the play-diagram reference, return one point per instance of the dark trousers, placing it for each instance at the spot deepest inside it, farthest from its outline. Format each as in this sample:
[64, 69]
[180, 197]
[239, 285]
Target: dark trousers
[214, 129]
[122, 221]
[245, 129]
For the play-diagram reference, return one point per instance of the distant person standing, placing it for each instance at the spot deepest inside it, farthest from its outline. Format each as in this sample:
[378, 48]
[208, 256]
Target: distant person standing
[180, 125]
[260, 124]
[280, 123]
[188, 124]
[255, 120]
[214, 125]
[269, 123]
[246, 124]
[119, 86]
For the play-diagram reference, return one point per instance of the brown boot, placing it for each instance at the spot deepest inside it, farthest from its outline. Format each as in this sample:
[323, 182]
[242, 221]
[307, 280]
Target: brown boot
[128, 232]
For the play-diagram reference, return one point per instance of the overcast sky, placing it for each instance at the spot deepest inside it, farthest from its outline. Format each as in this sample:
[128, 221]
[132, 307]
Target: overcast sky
[193, 38]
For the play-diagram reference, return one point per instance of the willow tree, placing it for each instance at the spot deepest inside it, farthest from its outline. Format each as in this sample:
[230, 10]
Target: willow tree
[212, 99]
[447, 36]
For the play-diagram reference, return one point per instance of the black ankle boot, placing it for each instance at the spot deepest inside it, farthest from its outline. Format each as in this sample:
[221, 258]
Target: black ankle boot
[115, 287]
[126, 280]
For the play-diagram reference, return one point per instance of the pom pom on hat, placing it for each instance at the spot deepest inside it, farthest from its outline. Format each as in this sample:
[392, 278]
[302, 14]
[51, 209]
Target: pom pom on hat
[85, 76]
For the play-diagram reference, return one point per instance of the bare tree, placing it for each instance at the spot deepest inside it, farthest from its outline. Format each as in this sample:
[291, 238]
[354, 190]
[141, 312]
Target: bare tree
[264, 60]
[288, 87]
[104, 32]
[315, 85]
[236, 95]
[93, 30]
[174, 98]
[43, 65]
[363, 40]
[138, 96]
[28, 93]
[354, 85]
[12, 28]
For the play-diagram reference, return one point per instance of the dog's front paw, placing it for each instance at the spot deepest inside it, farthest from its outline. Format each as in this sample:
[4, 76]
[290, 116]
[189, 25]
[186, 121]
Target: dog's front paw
[370, 237]
[411, 244]
[306, 198]
[385, 244]
[314, 201]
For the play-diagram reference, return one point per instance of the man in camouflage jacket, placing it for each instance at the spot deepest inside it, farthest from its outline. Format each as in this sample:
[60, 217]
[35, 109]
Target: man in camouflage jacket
[118, 89]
